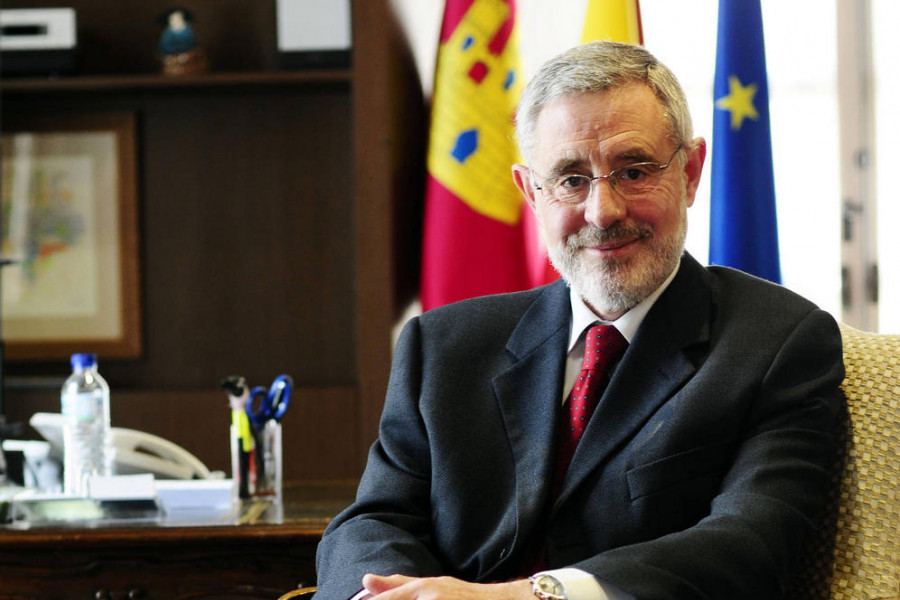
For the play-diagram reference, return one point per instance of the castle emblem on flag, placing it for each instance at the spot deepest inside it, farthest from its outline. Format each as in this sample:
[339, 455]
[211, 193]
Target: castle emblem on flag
[476, 92]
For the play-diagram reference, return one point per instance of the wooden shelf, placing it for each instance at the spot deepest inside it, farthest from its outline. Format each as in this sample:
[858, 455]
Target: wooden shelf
[125, 82]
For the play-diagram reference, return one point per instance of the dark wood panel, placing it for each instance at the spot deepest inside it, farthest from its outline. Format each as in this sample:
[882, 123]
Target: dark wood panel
[184, 571]
[246, 226]
[390, 152]
[248, 212]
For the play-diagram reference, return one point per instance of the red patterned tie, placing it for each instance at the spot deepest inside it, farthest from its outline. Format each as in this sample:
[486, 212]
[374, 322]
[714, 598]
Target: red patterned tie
[603, 347]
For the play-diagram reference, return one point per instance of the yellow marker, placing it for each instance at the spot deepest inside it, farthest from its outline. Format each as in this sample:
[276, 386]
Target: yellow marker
[241, 424]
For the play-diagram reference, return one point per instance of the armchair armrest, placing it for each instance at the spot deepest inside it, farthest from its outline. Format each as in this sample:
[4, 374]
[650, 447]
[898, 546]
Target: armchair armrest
[307, 592]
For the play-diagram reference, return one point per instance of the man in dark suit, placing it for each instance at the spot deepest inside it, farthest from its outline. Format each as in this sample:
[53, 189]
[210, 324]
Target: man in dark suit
[699, 473]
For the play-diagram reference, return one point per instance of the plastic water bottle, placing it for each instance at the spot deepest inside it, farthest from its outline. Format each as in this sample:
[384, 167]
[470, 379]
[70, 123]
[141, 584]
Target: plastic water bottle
[86, 438]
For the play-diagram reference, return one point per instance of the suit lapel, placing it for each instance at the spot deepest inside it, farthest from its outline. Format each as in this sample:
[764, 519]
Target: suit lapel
[529, 394]
[653, 368]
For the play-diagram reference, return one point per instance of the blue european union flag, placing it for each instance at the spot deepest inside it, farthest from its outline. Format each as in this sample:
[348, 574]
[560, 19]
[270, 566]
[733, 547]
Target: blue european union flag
[743, 224]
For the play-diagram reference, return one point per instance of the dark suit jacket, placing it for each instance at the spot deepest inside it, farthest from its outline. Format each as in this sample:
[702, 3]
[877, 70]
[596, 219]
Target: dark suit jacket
[698, 476]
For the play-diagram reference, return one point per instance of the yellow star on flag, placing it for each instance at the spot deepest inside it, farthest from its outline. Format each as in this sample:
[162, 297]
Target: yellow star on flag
[739, 101]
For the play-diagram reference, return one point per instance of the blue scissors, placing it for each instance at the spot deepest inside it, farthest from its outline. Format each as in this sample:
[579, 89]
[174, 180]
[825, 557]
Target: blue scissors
[272, 404]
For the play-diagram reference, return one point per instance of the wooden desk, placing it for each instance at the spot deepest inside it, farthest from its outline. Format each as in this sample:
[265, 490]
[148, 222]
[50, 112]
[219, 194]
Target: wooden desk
[258, 555]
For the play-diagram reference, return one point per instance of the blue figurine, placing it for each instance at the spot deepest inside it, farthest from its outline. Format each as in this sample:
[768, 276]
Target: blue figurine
[178, 35]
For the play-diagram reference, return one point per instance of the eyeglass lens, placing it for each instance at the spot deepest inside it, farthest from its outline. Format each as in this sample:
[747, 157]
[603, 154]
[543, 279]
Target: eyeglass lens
[637, 178]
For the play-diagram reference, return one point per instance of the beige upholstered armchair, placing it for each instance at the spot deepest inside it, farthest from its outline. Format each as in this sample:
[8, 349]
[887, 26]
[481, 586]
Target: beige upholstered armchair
[857, 552]
[856, 555]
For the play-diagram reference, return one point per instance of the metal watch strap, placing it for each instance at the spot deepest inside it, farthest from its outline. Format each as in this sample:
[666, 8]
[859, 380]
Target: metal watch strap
[545, 587]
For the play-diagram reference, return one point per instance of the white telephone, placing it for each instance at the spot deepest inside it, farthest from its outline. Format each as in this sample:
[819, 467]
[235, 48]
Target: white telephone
[135, 451]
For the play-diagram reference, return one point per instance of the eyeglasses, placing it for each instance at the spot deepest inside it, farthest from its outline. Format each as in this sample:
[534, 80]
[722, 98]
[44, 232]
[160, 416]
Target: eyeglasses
[630, 180]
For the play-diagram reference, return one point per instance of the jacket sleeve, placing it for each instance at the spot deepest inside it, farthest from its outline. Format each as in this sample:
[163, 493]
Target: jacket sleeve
[771, 495]
[388, 529]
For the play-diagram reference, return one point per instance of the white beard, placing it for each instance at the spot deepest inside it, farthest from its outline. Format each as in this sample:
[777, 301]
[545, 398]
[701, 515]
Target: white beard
[613, 286]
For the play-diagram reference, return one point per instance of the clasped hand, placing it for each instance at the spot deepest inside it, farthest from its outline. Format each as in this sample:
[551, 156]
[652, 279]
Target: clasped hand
[401, 587]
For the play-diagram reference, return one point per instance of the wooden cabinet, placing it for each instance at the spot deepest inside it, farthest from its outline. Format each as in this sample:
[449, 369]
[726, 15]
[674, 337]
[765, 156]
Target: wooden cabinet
[278, 218]
[127, 565]
[261, 555]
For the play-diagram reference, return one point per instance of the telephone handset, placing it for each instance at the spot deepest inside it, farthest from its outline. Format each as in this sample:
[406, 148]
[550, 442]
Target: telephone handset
[142, 452]
[135, 451]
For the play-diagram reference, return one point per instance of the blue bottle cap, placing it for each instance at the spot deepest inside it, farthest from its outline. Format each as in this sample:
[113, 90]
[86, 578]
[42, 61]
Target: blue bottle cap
[83, 361]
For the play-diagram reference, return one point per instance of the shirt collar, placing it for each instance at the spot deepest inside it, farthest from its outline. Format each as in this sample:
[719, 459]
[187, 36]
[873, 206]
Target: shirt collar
[628, 324]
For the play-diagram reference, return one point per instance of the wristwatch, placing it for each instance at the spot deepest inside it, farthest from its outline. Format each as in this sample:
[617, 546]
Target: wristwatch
[545, 587]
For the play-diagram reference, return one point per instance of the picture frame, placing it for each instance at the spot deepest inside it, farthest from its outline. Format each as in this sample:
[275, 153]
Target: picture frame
[70, 234]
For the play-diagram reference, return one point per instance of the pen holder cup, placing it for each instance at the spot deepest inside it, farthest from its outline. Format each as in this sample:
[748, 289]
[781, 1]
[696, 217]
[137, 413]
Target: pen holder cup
[256, 462]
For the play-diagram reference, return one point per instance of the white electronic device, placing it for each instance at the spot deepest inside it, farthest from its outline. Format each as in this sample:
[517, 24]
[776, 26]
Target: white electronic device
[135, 451]
[38, 40]
[314, 33]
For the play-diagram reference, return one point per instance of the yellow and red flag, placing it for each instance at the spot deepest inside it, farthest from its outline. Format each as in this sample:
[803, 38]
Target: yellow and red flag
[613, 20]
[479, 235]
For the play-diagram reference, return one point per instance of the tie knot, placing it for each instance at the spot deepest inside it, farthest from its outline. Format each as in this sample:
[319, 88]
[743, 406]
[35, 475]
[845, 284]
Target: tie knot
[603, 346]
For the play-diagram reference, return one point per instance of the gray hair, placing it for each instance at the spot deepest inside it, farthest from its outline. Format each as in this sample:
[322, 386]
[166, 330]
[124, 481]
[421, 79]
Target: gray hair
[597, 67]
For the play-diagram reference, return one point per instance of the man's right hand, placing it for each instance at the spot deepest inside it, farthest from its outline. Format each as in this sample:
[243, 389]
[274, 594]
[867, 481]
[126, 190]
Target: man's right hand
[401, 587]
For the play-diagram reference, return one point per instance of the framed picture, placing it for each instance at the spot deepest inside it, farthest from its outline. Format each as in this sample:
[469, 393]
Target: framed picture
[70, 235]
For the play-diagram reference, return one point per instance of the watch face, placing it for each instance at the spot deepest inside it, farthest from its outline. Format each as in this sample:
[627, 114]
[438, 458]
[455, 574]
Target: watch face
[546, 587]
